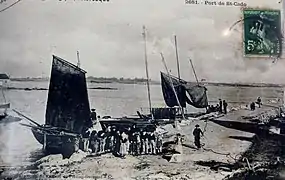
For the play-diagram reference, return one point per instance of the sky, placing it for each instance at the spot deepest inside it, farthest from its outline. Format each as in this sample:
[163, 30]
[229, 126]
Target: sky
[109, 38]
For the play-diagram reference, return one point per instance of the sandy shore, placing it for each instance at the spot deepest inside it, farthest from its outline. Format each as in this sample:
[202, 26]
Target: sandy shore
[219, 147]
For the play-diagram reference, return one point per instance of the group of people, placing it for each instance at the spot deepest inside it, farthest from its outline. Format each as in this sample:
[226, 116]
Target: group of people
[131, 141]
[258, 102]
[221, 107]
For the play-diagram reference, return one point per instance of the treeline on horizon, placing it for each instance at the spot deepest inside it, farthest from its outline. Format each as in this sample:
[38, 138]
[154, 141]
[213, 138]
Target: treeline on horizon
[143, 80]
[114, 79]
[90, 79]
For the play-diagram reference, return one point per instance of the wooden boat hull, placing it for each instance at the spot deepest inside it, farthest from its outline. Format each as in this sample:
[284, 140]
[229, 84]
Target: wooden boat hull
[55, 143]
[243, 126]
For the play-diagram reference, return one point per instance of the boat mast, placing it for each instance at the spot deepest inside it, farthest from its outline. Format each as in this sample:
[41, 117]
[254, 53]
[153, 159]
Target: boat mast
[78, 60]
[146, 71]
[177, 59]
[194, 71]
[178, 68]
[172, 86]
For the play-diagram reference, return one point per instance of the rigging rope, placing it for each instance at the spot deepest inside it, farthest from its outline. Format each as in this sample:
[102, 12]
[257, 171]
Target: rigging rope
[209, 149]
[10, 6]
[205, 127]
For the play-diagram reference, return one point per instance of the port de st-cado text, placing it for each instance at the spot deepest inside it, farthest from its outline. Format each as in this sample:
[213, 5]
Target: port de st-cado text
[216, 3]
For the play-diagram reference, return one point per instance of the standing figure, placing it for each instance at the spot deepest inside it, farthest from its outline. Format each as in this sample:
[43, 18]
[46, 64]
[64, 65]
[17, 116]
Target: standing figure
[152, 143]
[128, 143]
[132, 139]
[108, 139]
[220, 106]
[93, 115]
[259, 102]
[101, 137]
[124, 144]
[197, 132]
[112, 138]
[252, 106]
[117, 143]
[144, 141]
[131, 136]
[225, 104]
[94, 143]
[85, 140]
[159, 143]
[137, 143]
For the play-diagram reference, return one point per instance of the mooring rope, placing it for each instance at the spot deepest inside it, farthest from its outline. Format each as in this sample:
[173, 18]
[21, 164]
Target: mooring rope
[211, 150]
[205, 127]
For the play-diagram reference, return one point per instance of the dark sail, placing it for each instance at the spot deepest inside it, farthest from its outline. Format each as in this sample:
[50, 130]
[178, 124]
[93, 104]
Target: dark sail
[167, 91]
[197, 93]
[68, 104]
[198, 96]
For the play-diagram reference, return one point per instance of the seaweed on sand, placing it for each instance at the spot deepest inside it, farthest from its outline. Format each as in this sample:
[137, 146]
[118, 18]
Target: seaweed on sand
[214, 165]
[261, 161]
[141, 166]
[264, 159]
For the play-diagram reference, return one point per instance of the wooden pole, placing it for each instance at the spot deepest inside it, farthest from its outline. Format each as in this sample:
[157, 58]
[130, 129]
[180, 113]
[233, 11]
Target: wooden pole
[172, 86]
[177, 59]
[194, 71]
[78, 60]
[45, 141]
[26, 117]
[146, 71]
[195, 74]
[178, 68]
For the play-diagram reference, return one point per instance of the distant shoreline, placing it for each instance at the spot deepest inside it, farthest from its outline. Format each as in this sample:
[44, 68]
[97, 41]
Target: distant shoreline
[93, 80]
[152, 82]
[245, 84]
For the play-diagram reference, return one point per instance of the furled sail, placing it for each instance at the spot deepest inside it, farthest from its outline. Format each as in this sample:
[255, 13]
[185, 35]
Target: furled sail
[197, 93]
[198, 96]
[68, 104]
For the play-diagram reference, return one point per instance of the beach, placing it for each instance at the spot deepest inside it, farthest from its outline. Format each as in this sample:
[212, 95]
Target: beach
[220, 146]
[21, 157]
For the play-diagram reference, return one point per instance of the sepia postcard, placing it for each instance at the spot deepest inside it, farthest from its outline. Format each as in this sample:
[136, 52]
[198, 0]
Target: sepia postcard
[142, 90]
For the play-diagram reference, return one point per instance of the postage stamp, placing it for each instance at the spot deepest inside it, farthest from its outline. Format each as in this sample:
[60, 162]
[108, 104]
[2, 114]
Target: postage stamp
[262, 33]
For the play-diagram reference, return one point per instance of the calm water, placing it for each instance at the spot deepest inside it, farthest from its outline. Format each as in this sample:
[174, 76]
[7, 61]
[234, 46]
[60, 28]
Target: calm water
[18, 146]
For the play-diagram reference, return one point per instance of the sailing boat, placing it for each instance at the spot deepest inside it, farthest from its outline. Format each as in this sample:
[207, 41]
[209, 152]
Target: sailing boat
[197, 94]
[174, 91]
[67, 110]
[4, 105]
